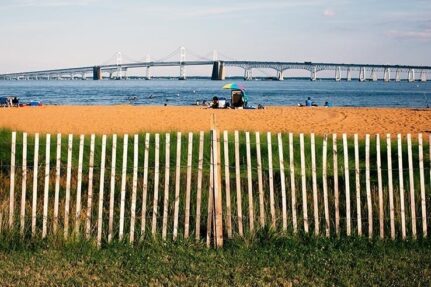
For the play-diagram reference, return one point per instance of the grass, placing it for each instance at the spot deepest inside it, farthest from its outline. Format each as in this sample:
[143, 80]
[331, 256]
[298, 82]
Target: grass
[266, 259]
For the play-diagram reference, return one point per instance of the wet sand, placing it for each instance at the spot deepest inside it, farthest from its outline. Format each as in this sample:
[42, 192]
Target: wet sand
[132, 119]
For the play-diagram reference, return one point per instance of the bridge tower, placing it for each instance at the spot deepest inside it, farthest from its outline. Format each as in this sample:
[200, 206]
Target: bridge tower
[349, 74]
[338, 74]
[398, 76]
[412, 75]
[280, 75]
[423, 76]
[374, 75]
[148, 71]
[182, 66]
[387, 75]
[119, 69]
[313, 73]
[248, 74]
[362, 74]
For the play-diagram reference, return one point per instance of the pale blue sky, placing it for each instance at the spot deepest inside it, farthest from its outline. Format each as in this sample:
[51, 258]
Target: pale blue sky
[40, 34]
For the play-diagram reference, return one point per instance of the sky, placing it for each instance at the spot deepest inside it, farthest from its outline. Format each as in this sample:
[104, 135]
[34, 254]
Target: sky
[45, 34]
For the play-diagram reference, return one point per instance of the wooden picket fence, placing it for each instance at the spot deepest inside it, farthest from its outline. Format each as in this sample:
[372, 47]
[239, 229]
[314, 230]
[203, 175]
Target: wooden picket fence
[283, 198]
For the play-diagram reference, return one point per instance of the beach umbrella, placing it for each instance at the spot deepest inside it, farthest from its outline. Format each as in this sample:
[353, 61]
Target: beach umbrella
[234, 86]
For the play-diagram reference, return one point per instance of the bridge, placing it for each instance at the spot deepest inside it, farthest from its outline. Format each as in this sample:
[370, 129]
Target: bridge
[341, 71]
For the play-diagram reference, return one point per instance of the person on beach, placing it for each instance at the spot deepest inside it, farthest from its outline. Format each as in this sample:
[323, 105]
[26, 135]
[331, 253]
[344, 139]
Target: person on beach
[308, 102]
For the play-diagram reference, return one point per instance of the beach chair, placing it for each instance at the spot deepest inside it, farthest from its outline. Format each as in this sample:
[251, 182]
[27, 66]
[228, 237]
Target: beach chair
[238, 99]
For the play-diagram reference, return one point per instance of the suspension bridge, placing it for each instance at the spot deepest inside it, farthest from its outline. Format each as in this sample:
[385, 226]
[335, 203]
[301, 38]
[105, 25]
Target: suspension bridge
[119, 69]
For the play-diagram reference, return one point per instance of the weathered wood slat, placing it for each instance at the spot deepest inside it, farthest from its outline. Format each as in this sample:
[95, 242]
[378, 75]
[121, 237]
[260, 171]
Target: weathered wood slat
[134, 189]
[336, 192]
[411, 186]
[46, 186]
[260, 181]
[68, 178]
[390, 186]
[422, 186]
[401, 186]
[358, 186]
[238, 185]
[145, 187]
[101, 192]
[314, 185]
[249, 183]
[177, 187]
[271, 181]
[123, 187]
[79, 187]
[325, 184]
[90, 189]
[112, 188]
[57, 183]
[24, 183]
[12, 181]
[303, 183]
[380, 188]
[199, 186]
[188, 186]
[166, 186]
[347, 185]
[227, 184]
[292, 183]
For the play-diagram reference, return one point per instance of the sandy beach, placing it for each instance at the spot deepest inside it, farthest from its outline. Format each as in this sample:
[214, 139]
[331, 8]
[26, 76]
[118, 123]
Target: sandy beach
[132, 119]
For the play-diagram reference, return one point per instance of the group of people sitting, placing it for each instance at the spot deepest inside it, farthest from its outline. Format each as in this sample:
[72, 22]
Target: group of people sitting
[9, 102]
[310, 103]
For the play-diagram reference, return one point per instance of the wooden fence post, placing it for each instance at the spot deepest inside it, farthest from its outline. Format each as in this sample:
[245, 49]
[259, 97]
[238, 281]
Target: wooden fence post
[411, 186]
[303, 183]
[314, 184]
[112, 188]
[68, 179]
[380, 187]
[422, 185]
[101, 192]
[123, 187]
[199, 186]
[35, 175]
[166, 186]
[238, 185]
[271, 180]
[12, 182]
[79, 187]
[260, 181]
[358, 186]
[177, 186]
[292, 183]
[188, 186]
[347, 185]
[134, 188]
[145, 187]
[90, 189]
[368, 186]
[210, 209]
[57, 183]
[325, 184]
[227, 185]
[336, 193]
[391, 187]
[282, 181]
[156, 185]
[401, 186]
[24, 183]
[250, 184]
[46, 186]
[218, 210]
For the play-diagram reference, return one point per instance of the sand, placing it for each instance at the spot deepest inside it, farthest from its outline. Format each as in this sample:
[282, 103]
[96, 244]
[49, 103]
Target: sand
[132, 119]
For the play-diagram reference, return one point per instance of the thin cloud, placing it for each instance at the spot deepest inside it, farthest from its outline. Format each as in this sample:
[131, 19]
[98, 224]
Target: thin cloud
[424, 35]
[49, 3]
[329, 13]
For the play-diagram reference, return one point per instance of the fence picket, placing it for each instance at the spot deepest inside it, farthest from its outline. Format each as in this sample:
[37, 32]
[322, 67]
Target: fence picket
[46, 186]
[199, 186]
[401, 186]
[79, 187]
[390, 187]
[368, 186]
[347, 185]
[177, 186]
[68, 178]
[314, 184]
[411, 186]
[292, 184]
[101, 192]
[12, 181]
[238, 185]
[112, 188]
[210, 214]
[271, 180]
[303, 183]
[90, 189]
[227, 184]
[188, 186]
[249, 183]
[166, 186]
[282, 181]
[325, 184]
[422, 186]
[145, 187]
[336, 193]
[260, 181]
[380, 188]
[134, 188]
[358, 186]
[35, 175]
[24, 183]
[156, 185]
[123, 187]
[57, 183]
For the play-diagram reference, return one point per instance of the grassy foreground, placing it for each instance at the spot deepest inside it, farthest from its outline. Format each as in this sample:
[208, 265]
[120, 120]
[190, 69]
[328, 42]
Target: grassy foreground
[268, 259]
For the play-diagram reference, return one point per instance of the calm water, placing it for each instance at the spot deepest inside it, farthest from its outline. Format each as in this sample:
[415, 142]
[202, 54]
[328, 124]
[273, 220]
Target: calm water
[174, 92]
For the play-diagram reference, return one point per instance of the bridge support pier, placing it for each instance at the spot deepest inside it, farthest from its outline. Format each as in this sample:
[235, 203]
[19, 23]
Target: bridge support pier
[387, 75]
[362, 75]
[338, 74]
[280, 76]
[349, 74]
[412, 76]
[374, 75]
[313, 76]
[398, 76]
[148, 73]
[97, 73]
[218, 73]
[423, 76]
[248, 74]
